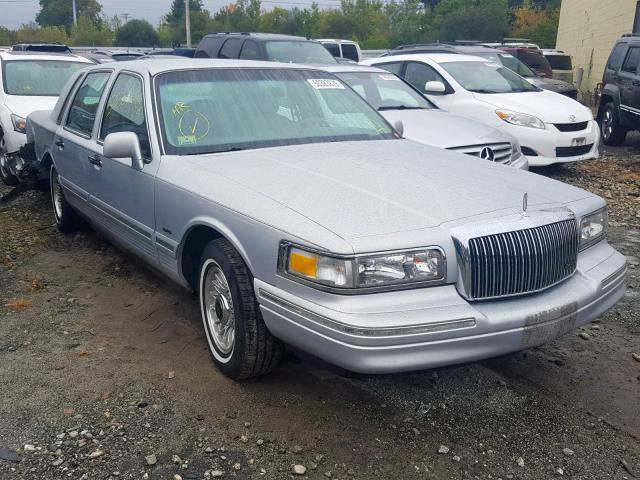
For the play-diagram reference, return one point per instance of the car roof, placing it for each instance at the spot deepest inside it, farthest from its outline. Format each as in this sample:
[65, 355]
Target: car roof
[435, 57]
[336, 40]
[351, 68]
[259, 36]
[26, 55]
[154, 66]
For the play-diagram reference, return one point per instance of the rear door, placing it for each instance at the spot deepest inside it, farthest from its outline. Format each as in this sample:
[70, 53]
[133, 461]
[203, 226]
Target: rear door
[123, 197]
[629, 84]
[73, 138]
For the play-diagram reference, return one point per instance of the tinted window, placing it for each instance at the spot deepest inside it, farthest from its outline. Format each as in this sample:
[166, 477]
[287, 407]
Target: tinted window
[615, 60]
[231, 48]
[209, 47]
[250, 51]
[333, 48]
[349, 51]
[559, 62]
[392, 67]
[37, 77]
[82, 114]
[124, 111]
[418, 74]
[533, 59]
[216, 110]
[630, 64]
[298, 52]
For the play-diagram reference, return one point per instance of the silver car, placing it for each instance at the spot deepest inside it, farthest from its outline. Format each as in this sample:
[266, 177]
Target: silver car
[299, 215]
[423, 122]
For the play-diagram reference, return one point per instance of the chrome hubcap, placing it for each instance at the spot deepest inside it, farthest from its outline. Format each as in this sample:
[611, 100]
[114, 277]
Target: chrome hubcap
[56, 195]
[218, 309]
[607, 123]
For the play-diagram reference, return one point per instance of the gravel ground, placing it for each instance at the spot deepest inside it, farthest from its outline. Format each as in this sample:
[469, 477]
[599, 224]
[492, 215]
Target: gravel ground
[104, 374]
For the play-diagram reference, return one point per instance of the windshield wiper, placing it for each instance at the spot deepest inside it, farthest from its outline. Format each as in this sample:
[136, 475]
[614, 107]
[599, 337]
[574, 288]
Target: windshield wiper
[232, 149]
[399, 107]
[484, 90]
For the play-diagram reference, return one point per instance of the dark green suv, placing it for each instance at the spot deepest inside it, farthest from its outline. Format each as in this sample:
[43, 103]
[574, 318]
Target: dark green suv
[619, 109]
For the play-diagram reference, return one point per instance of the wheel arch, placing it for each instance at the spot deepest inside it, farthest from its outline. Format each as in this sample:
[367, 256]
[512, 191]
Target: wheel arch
[197, 235]
[609, 93]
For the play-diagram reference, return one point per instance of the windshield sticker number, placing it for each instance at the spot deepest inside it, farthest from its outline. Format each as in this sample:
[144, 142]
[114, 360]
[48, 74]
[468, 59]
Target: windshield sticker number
[388, 76]
[325, 83]
[187, 140]
[178, 108]
[493, 64]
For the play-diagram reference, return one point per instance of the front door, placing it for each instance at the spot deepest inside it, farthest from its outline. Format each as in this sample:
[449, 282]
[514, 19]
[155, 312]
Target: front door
[121, 196]
[629, 84]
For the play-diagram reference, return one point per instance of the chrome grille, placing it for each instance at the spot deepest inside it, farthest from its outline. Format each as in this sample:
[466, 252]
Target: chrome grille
[501, 151]
[521, 261]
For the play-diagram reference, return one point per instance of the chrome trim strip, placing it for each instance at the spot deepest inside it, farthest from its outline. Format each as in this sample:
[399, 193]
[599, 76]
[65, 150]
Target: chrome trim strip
[366, 332]
[621, 272]
[166, 245]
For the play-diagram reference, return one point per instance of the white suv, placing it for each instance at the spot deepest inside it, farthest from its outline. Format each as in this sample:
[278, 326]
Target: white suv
[29, 82]
[551, 128]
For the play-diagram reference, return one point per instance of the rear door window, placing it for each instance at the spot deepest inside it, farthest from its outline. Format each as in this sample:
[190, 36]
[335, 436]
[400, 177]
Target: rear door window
[350, 51]
[82, 113]
[630, 64]
[231, 48]
[418, 74]
[333, 48]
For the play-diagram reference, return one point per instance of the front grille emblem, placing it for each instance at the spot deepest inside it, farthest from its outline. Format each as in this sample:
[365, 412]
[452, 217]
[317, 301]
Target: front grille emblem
[525, 201]
[487, 154]
[572, 118]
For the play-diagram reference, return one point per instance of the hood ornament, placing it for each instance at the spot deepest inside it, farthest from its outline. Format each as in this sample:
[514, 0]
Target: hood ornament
[525, 201]
[572, 118]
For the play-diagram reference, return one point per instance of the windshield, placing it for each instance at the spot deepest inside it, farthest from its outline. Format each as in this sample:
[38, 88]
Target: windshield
[43, 78]
[216, 110]
[509, 61]
[559, 62]
[385, 91]
[487, 77]
[292, 51]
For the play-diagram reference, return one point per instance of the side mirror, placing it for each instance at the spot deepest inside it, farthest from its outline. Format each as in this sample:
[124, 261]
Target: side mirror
[399, 127]
[434, 88]
[123, 145]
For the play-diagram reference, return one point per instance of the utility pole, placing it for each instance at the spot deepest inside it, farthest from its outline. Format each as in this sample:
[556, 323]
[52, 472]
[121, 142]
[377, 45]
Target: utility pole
[75, 15]
[125, 17]
[187, 22]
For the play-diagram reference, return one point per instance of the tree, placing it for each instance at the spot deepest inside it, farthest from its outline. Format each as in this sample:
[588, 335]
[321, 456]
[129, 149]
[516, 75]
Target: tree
[58, 13]
[485, 20]
[175, 16]
[87, 33]
[541, 26]
[32, 33]
[137, 33]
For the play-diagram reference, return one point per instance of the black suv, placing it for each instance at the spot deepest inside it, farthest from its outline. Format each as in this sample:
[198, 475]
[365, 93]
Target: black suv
[619, 109]
[495, 55]
[263, 46]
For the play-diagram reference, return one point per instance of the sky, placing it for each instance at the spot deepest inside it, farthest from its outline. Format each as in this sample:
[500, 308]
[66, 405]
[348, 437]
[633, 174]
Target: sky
[16, 12]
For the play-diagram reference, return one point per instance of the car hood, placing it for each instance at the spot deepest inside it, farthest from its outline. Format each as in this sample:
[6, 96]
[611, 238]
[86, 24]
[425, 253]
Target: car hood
[551, 84]
[360, 189]
[24, 105]
[550, 107]
[443, 129]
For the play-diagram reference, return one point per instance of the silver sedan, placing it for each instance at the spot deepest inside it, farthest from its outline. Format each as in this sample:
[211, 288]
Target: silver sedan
[299, 215]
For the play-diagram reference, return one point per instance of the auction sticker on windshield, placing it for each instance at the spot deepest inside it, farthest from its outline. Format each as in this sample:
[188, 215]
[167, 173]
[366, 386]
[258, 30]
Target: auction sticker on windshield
[323, 83]
[388, 76]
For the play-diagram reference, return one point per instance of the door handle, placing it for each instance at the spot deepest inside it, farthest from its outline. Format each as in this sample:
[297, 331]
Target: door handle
[60, 143]
[95, 160]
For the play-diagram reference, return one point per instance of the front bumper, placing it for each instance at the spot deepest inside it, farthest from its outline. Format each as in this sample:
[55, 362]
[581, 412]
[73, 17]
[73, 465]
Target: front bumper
[432, 327]
[544, 143]
[20, 158]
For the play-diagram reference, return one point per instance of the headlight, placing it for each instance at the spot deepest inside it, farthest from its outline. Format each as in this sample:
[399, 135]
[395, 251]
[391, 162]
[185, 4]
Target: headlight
[19, 123]
[363, 271]
[520, 119]
[593, 228]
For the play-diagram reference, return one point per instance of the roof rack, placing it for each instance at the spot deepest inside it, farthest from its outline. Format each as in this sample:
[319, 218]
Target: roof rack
[630, 35]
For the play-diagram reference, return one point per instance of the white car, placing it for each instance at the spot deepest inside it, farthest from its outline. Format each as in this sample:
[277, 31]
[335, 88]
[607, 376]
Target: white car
[29, 82]
[423, 122]
[551, 128]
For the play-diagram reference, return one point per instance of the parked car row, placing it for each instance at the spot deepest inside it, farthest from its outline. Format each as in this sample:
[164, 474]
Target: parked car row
[330, 206]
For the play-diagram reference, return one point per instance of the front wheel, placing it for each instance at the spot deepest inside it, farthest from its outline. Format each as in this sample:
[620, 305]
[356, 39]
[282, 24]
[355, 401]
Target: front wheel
[612, 132]
[67, 219]
[7, 177]
[238, 340]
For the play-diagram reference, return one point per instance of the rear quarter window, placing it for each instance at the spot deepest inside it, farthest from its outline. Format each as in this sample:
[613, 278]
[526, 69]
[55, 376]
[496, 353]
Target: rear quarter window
[209, 47]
